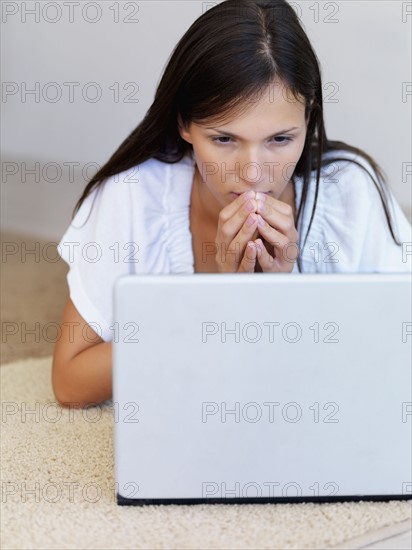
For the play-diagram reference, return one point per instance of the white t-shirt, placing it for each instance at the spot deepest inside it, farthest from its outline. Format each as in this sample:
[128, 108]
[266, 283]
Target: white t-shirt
[140, 224]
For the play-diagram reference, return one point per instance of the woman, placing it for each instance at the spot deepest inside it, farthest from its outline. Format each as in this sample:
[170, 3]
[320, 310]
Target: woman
[238, 109]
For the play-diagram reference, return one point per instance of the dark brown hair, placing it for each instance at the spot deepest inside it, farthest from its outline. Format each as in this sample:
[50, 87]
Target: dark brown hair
[229, 54]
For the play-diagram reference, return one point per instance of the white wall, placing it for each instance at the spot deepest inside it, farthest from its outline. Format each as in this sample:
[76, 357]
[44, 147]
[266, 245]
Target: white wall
[365, 57]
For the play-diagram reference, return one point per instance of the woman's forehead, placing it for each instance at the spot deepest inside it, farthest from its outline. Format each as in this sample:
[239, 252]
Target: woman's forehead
[263, 108]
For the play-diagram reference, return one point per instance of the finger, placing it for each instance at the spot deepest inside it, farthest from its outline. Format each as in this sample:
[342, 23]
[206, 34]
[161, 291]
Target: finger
[233, 216]
[231, 255]
[272, 234]
[266, 261]
[281, 206]
[285, 251]
[230, 209]
[231, 233]
[247, 265]
[237, 229]
[255, 235]
[284, 222]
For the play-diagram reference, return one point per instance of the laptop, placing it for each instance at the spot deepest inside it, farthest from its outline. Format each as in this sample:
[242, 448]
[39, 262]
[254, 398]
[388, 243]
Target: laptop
[260, 388]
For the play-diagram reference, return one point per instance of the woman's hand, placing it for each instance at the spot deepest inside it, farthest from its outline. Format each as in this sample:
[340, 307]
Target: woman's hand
[276, 225]
[237, 225]
[241, 221]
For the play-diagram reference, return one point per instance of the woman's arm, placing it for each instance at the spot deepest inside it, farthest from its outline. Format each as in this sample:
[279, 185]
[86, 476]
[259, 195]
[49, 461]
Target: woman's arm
[82, 362]
[87, 378]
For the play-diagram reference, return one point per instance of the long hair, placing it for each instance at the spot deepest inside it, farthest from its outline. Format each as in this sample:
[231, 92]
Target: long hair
[229, 54]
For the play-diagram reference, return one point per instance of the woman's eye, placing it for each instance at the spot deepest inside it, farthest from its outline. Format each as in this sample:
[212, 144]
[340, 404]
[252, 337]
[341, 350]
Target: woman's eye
[220, 137]
[284, 138]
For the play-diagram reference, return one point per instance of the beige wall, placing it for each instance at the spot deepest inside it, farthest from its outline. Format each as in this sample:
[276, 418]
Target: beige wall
[364, 55]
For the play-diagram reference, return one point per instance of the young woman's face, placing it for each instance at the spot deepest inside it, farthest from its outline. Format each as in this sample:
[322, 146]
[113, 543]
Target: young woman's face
[269, 140]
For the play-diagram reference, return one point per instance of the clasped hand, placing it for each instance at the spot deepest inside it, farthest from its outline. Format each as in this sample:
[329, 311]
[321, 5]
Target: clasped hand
[240, 222]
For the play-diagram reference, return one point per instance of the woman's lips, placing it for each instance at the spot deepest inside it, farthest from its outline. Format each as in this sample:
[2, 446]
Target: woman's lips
[238, 194]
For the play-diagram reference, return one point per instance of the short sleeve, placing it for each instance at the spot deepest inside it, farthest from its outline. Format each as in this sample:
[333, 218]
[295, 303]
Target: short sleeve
[354, 231]
[355, 219]
[98, 247]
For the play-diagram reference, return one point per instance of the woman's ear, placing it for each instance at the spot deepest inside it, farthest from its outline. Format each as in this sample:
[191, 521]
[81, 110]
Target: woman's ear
[183, 131]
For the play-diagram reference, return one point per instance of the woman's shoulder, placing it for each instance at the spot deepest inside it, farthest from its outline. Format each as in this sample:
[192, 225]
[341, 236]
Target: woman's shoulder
[154, 183]
[351, 189]
[154, 169]
[339, 167]
[151, 186]
[345, 170]
[347, 181]
[151, 171]
[350, 217]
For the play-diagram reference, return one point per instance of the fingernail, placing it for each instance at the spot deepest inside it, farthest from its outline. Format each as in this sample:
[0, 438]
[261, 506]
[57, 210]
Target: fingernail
[260, 197]
[249, 195]
[261, 221]
[251, 220]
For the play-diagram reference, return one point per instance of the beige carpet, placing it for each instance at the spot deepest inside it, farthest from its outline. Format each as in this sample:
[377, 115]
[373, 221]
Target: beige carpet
[33, 293]
[58, 489]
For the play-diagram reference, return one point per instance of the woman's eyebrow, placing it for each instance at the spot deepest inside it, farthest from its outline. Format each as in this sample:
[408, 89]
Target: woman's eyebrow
[235, 136]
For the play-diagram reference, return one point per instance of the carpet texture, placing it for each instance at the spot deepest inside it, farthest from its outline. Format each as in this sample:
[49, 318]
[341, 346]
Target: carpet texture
[58, 489]
[33, 292]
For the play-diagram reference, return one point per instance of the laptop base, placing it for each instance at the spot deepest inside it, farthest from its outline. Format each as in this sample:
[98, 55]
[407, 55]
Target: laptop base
[123, 501]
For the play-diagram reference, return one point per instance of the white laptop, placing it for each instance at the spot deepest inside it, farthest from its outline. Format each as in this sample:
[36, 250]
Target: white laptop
[243, 388]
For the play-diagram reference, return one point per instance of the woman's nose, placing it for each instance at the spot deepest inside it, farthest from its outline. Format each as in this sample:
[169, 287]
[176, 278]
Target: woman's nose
[252, 169]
